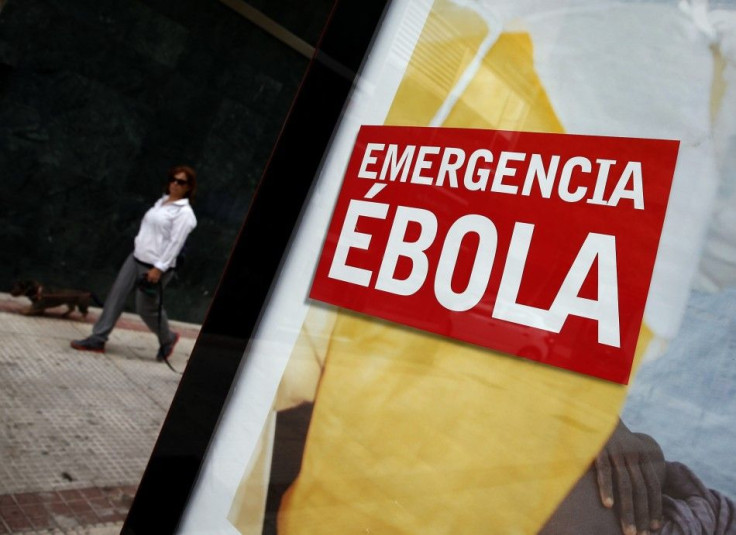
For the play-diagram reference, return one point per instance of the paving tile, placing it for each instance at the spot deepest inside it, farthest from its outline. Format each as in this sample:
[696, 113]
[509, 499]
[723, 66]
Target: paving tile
[14, 518]
[71, 495]
[66, 523]
[49, 497]
[92, 492]
[27, 498]
[42, 522]
[33, 509]
[101, 506]
[87, 518]
[111, 516]
[78, 428]
[79, 506]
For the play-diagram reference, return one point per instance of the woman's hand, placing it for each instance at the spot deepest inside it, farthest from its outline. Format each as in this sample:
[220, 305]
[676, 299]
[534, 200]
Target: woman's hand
[631, 465]
[154, 275]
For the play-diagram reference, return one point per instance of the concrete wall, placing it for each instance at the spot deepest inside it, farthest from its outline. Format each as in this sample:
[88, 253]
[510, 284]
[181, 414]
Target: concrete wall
[98, 98]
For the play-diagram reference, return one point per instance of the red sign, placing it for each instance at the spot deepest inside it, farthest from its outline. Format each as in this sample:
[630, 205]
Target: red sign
[538, 245]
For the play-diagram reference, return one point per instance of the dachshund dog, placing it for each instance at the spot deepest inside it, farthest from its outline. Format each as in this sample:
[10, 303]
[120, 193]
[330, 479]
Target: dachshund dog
[43, 297]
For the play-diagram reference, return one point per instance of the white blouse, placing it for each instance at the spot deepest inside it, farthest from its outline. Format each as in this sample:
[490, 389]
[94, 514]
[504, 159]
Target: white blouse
[163, 231]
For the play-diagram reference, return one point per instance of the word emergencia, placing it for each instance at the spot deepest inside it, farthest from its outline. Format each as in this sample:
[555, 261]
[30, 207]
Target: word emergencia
[536, 245]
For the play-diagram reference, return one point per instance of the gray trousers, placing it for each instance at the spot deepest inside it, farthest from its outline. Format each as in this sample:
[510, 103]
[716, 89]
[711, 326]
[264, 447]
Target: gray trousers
[145, 305]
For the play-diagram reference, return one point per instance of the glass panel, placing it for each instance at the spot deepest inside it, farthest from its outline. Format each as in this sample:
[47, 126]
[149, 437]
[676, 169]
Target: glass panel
[608, 130]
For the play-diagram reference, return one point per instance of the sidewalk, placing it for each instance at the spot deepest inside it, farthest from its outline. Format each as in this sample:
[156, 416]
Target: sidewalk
[77, 428]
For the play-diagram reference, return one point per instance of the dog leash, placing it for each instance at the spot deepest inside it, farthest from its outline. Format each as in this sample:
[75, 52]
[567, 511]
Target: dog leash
[160, 287]
[160, 308]
[172, 368]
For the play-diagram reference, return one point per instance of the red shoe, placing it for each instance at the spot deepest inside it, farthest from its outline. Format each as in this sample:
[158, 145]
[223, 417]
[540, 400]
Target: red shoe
[88, 344]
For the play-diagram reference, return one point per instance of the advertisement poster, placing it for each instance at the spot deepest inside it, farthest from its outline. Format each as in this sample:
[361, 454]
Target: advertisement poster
[509, 306]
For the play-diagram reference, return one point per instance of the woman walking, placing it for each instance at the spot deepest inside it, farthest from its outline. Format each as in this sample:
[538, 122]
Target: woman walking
[150, 266]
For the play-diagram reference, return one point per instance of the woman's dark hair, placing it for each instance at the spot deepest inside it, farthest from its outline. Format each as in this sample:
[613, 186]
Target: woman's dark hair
[191, 179]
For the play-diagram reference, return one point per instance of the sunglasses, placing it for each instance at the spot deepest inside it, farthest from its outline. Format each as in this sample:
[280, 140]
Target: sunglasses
[179, 181]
